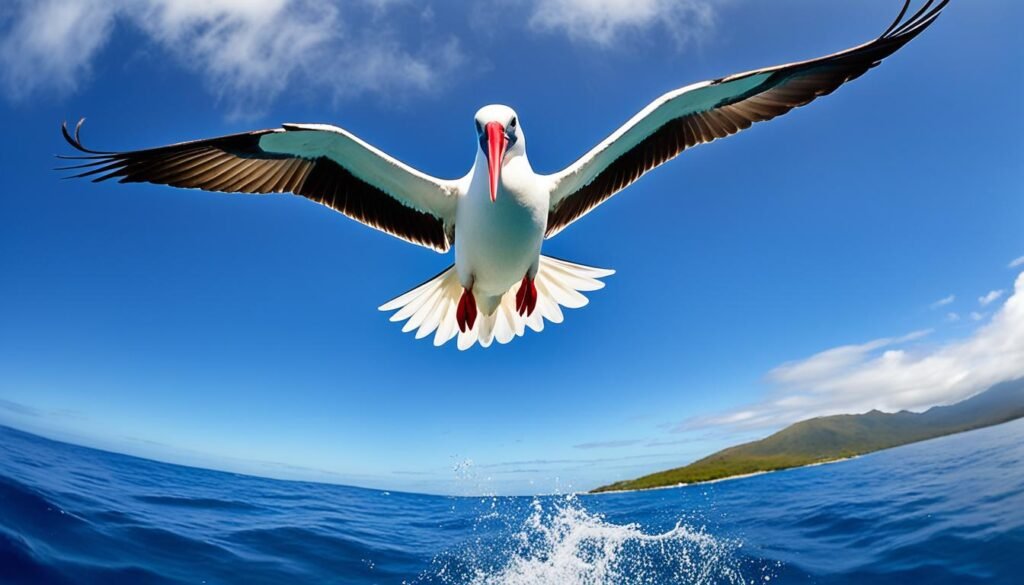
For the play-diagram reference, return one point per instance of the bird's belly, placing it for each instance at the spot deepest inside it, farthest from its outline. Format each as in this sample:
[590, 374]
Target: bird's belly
[496, 244]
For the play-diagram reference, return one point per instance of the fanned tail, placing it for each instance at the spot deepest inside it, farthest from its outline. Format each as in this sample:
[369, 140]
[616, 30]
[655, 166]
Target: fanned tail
[430, 307]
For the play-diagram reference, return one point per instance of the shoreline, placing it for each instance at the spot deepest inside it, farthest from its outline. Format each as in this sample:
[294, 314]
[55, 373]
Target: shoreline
[721, 479]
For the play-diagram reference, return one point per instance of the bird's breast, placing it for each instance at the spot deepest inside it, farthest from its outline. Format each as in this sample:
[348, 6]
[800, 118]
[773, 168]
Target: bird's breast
[497, 242]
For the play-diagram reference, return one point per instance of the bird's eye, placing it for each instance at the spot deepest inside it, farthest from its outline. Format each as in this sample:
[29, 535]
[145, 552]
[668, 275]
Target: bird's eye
[512, 124]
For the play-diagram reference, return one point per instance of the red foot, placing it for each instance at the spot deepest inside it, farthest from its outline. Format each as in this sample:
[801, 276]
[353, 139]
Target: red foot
[526, 297]
[465, 313]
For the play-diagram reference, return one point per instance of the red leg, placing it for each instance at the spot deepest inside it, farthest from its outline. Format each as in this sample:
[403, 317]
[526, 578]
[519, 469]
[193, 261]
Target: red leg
[533, 299]
[465, 312]
[526, 297]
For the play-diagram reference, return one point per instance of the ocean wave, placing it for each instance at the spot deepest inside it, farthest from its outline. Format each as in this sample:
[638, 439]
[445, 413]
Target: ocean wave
[561, 543]
[950, 511]
[21, 565]
[201, 503]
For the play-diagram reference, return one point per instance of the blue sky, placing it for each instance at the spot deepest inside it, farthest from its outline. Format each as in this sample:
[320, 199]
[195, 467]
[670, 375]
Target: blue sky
[854, 254]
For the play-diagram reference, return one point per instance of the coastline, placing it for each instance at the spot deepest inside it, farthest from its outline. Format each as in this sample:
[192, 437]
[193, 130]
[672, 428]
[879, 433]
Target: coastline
[722, 479]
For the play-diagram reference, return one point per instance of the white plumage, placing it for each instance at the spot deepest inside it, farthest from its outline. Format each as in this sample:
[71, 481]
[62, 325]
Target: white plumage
[430, 307]
[498, 215]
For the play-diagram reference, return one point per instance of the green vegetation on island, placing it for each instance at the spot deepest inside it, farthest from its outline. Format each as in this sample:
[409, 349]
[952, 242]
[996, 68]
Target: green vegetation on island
[831, 438]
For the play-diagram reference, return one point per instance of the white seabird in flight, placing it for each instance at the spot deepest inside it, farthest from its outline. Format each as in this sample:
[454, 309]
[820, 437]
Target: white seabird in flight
[498, 215]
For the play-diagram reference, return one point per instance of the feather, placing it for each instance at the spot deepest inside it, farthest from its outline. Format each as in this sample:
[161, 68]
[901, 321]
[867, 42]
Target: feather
[430, 307]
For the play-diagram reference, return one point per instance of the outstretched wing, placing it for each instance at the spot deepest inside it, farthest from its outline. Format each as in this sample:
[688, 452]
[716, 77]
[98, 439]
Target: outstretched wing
[703, 112]
[323, 163]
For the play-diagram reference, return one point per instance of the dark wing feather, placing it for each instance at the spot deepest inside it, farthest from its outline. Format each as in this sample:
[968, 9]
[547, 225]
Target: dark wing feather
[236, 164]
[592, 180]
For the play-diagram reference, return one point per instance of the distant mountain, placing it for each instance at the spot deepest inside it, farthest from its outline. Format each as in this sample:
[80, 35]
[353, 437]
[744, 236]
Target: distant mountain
[829, 438]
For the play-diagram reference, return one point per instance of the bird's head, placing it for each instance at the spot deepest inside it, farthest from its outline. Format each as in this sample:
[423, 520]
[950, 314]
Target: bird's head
[501, 138]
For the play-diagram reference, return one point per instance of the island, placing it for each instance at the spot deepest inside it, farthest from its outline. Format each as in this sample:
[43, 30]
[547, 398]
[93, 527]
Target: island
[833, 438]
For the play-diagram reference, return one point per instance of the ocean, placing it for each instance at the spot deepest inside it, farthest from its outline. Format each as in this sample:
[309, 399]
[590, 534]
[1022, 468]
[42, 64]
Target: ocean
[949, 510]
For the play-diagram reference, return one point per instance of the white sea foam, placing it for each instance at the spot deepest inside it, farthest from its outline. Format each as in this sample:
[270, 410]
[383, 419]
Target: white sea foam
[561, 543]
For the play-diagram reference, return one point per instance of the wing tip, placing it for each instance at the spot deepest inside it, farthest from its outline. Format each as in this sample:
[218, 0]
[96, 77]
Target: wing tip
[920, 20]
[98, 162]
[75, 140]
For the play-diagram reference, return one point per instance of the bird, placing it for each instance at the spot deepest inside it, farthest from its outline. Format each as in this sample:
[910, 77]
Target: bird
[499, 214]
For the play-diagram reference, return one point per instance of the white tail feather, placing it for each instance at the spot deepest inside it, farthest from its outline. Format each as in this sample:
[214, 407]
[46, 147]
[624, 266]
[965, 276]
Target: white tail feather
[430, 307]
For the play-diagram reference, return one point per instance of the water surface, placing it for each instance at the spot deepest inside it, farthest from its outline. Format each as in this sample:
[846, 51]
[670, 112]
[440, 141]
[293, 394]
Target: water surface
[950, 510]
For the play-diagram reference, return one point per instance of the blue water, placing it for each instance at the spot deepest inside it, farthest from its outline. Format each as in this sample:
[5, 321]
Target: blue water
[949, 510]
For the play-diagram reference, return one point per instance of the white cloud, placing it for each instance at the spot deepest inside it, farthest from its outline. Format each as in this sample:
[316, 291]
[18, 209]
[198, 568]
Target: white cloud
[602, 22]
[952, 317]
[825, 364]
[976, 316]
[990, 298]
[1018, 262]
[943, 302]
[51, 43]
[884, 375]
[249, 53]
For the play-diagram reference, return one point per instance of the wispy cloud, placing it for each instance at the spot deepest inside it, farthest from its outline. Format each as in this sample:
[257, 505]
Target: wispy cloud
[943, 302]
[602, 22]
[561, 462]
[990, 298]
[821, 367]
[51, 43]
[25, 410]
[19, 408]
[248, 53]
[609, 444]
[675, 442]
[952, 317]
[885, 374]
[1017, 263]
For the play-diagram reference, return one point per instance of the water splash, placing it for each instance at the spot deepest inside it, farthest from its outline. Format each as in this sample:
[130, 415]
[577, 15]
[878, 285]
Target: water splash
[561, 543]
[953, 511]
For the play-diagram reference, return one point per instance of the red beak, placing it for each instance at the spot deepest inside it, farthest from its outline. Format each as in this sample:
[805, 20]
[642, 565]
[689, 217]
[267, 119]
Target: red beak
[496, 143]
